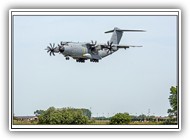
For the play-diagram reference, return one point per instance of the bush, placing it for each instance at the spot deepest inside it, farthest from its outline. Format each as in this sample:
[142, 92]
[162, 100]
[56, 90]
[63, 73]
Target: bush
[62, 116]
[120, 118]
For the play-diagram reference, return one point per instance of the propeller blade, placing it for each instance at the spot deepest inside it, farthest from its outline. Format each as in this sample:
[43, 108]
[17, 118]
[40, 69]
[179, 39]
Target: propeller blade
[108, 43]
[111, 43]
[93, 43]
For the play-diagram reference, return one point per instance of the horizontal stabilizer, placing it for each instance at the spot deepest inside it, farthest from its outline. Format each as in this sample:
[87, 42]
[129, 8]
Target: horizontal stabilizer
[126, 46]
[119, 30]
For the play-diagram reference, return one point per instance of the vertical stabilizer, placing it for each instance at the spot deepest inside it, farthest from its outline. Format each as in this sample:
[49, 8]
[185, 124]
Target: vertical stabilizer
[117, 34]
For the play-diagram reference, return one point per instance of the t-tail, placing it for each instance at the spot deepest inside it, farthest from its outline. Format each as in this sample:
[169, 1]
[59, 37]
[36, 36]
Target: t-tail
[117, 34]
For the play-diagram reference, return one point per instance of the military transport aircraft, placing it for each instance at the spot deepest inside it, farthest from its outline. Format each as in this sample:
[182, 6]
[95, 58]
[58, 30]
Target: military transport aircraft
[93, 51]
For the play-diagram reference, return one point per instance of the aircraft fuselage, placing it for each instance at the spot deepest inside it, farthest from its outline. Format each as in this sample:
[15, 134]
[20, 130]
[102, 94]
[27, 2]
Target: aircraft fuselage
[80, 50]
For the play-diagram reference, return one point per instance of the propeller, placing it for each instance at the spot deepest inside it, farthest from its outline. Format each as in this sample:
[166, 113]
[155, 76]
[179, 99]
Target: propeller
[51, 49]
[93, 43]
[109, 46]
[93, 46]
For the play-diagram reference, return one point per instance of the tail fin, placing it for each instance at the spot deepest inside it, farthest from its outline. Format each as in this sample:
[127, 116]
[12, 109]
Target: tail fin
[117, 34]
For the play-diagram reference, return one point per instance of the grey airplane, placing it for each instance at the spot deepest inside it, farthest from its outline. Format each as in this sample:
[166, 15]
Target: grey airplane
[92, 51]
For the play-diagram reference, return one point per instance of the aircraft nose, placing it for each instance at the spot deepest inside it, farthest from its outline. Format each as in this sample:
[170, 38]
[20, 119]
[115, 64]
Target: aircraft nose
[61, 49]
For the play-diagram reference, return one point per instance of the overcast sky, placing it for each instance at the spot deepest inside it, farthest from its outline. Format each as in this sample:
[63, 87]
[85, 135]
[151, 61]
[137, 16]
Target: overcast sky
[135, 80]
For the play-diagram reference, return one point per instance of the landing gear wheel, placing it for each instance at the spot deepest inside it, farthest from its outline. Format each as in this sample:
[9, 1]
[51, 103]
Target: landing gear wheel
[80, 60]
[94, 60]
[67, 58]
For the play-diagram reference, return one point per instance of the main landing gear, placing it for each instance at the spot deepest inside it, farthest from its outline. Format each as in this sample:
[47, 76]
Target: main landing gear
[94, 60]
[80, 60]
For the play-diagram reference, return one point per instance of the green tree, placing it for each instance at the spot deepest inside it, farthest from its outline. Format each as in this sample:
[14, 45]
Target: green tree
[38, 112]
[142, 117]
[173, 102]
[45, 117]
[86, 112]
[62, 116]
[120, 118]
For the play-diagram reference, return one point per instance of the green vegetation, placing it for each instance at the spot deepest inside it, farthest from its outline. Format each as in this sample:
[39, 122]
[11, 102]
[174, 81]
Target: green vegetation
[63, 116]
[114, 120]
[146, 123]
[82, 116]
[173, 102]
[99, 122]
[24, 122]
[38, 112]
[120, 118]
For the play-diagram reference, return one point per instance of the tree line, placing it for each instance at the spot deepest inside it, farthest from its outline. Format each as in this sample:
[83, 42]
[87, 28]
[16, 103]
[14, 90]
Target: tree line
[77, 116]
[63, 116]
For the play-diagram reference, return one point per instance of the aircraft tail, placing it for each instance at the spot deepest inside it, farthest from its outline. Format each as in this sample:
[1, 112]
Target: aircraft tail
[117, 34]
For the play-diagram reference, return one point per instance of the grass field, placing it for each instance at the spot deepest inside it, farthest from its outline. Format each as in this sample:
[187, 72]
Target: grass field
[18, 122]
[93, 122]
[100, 122]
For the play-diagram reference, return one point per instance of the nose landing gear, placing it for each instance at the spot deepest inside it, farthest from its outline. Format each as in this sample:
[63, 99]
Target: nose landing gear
[67, 58]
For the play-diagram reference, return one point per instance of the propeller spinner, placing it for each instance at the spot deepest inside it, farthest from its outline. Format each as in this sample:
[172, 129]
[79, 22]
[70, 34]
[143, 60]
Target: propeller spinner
[51, 49]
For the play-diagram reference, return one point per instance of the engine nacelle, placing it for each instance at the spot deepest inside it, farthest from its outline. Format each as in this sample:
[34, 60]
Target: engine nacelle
[114, 48]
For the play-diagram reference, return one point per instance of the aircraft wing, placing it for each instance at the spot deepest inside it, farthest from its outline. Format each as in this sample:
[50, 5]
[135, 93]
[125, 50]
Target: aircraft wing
[118, 46]
[126, 46]
[103, 45]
